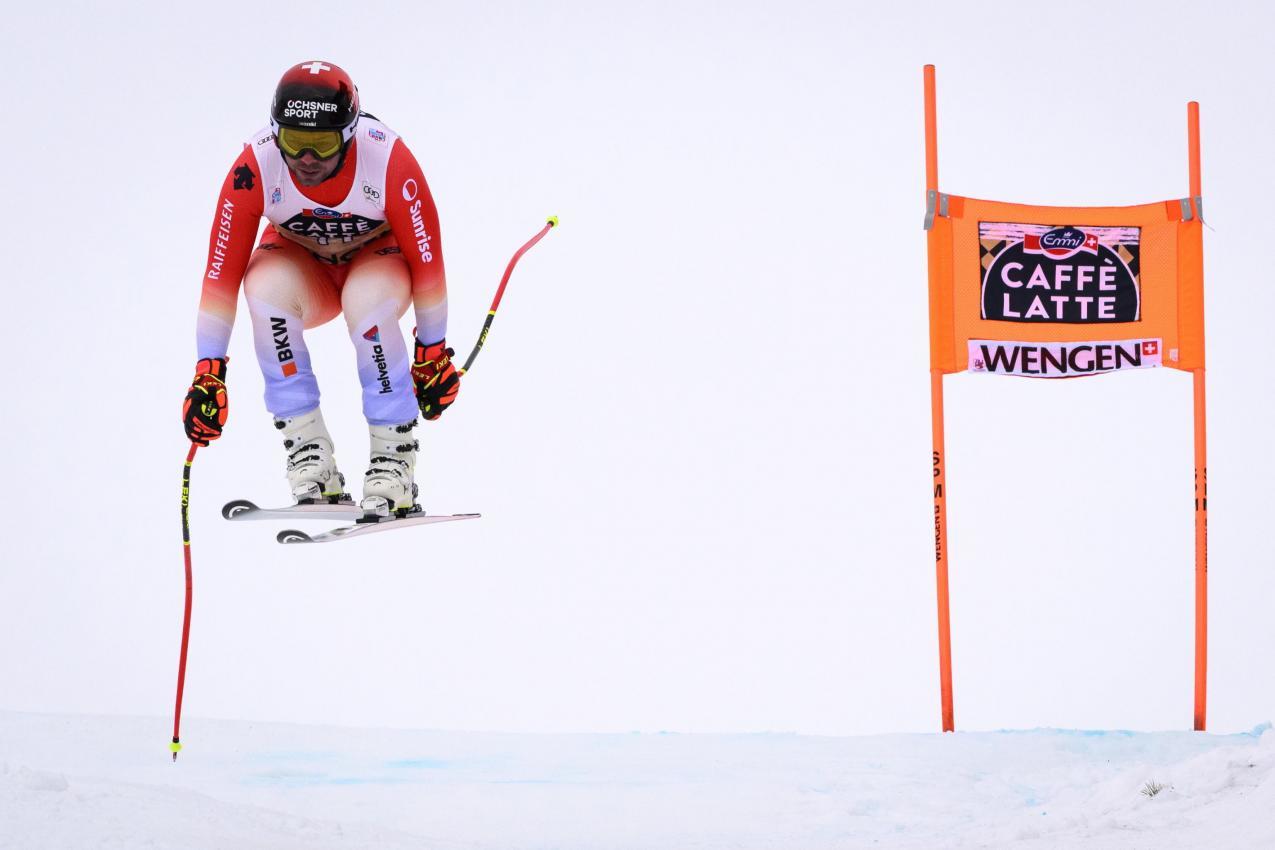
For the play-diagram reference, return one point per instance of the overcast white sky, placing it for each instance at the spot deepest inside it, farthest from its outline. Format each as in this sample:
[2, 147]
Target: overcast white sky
[699, 432]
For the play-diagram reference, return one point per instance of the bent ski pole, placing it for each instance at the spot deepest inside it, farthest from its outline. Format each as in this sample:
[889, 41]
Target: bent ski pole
[176, 746]
[551, 223]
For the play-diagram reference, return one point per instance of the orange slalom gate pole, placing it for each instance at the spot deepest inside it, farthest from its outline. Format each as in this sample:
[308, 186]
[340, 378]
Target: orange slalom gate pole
[931, 133]
[936, 413]
[1201, 555]
[1201, 466]
[940, 552]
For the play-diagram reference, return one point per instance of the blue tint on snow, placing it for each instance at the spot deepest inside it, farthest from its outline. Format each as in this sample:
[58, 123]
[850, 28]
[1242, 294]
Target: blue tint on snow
[532, 782]
[299, 780]
[1083, 733]
[293, 755]
[419, 764]
[302, 769]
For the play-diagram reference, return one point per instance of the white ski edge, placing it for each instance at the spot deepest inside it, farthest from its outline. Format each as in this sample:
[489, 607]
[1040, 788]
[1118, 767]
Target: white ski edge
[294, 536]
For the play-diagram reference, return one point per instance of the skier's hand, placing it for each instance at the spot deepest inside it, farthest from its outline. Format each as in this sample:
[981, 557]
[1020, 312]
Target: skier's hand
[206, 408]
[435, 377]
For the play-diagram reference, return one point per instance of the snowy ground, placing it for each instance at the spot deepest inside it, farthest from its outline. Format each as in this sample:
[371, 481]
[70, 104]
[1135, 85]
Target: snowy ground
[88, 782]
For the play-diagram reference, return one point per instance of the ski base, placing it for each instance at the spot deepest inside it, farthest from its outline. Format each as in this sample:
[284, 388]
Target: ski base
[242, 509]
[368, 526]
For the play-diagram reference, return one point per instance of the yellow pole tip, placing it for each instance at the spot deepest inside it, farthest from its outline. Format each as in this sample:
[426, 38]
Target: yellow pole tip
[553, 221]
[175, 747]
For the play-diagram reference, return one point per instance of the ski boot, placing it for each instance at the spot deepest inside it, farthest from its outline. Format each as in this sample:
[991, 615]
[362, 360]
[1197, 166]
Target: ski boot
[388, 486]
[312, 472]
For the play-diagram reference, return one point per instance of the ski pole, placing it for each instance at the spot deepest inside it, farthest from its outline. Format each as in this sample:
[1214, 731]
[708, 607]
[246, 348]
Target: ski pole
[181, 665]
[550, 223]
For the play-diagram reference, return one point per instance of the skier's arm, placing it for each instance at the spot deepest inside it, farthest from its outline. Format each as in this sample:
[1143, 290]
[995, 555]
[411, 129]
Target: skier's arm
[234, 229]
[409, 207]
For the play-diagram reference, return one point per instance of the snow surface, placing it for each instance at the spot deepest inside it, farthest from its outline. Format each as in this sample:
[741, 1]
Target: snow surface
[88, 782]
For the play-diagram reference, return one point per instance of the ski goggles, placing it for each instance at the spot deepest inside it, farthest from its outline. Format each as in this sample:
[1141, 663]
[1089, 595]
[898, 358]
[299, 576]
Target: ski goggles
[324, 144]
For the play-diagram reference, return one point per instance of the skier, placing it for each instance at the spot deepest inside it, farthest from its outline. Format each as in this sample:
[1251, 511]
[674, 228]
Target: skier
[353, 230]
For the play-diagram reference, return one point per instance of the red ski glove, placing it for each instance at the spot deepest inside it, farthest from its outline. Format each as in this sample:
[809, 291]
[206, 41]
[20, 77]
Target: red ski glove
[435, 377]
[206, 408]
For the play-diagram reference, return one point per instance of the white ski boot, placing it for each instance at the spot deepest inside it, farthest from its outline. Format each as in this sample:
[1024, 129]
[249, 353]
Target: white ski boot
[388, 485]
[312, 472]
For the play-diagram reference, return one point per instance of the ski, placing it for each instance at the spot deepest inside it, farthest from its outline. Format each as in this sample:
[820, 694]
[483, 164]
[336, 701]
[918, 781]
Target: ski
[292, 535]
[242, 509]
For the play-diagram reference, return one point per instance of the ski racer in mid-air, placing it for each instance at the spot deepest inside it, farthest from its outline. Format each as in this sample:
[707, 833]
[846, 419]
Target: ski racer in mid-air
[352, 231]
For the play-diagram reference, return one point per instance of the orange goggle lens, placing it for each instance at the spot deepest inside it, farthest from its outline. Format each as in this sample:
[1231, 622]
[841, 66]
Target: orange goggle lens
[295, 141]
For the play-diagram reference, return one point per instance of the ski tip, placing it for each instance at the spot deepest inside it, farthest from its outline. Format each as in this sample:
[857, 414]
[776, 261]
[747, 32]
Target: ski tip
[292, 535]
[231, 510]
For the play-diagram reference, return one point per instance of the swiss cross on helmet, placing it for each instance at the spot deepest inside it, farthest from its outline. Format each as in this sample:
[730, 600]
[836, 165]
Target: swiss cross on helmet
[316, 95]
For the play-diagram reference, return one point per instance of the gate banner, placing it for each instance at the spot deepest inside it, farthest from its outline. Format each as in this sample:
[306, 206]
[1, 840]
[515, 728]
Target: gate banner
[1065, 291]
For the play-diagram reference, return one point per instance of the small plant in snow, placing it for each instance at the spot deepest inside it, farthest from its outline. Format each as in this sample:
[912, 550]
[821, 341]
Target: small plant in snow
[1152, 788]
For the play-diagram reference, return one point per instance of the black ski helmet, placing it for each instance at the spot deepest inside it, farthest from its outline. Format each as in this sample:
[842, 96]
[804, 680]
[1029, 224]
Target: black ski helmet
[316, 95]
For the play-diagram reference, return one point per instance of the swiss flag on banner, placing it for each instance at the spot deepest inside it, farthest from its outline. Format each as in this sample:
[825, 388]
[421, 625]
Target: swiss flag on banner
[1150, 348]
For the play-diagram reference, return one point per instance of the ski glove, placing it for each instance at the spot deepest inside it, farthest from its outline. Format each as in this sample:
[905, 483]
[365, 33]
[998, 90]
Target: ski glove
[435, 377]
[206, 408]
